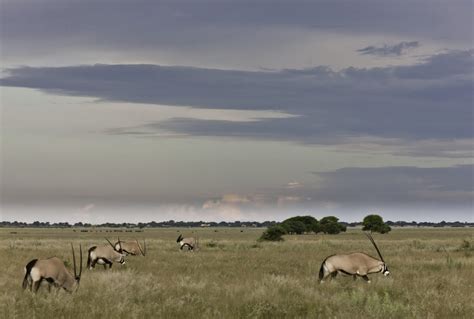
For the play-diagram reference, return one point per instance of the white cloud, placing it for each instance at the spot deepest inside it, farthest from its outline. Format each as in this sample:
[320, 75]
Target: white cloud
[294, 185]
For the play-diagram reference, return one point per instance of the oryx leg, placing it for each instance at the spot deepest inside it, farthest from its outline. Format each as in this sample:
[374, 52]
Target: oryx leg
[29, 283]
[366, 278]
[36, 285]
[107, 262]
[50, 283]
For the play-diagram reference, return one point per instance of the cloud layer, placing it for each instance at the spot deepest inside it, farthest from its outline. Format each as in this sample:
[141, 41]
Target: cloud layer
[389, 50]
[335, 80]
[440, 186]
[429, 100]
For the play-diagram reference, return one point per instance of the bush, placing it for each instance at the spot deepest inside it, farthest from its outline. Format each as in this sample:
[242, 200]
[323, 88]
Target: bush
[301, 224]
[375, 223]
[294, 227]
[330, 225]
[273, 233]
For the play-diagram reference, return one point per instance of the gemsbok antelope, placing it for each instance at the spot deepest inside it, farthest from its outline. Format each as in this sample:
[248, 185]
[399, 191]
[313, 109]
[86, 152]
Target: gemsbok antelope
[355, 264]
[187, 243]
[104, 255]
[130, 247]
[54, 272]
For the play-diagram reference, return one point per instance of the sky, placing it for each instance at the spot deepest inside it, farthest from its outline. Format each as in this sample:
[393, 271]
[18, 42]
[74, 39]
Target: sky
[133, 111]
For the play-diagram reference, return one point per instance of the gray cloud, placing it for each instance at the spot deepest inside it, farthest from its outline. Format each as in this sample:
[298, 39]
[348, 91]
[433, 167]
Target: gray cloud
[154, 23]
[389, 50]
[429, 100]
[399, 186]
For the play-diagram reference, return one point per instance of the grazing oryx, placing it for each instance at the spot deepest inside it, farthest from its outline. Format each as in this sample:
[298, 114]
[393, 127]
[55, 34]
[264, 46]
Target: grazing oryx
[104, 255]
[54, 272]
[187, 243]
[130, 247]
[355, 264]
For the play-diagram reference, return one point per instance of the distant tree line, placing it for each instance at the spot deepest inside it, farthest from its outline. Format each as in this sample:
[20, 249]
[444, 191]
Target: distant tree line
[330, 225]
[325, 225]
[153, 224]
[303, 225]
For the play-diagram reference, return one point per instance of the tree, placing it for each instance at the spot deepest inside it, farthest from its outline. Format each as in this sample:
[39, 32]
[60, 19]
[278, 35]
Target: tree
[374, 223]
[293, 224]
[273, 233]
[294, 227]
[330, 225]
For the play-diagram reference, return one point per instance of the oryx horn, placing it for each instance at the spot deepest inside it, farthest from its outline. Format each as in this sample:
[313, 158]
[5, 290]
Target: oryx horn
[77, 276]
[111, 243]
[373, 243]
[74, 260]
[142, 251]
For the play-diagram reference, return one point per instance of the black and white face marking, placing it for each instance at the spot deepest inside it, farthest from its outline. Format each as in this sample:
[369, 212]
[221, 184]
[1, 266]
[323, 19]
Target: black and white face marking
[385, 270]
[186, 246]
[118, 248]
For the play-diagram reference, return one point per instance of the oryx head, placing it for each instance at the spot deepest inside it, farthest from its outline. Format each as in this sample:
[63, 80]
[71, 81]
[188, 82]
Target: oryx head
[77, 277]
[120, 256]
[384, 269]
[179, 238]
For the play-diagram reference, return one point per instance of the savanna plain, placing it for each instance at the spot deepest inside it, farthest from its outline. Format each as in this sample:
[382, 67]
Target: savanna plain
[232, 275]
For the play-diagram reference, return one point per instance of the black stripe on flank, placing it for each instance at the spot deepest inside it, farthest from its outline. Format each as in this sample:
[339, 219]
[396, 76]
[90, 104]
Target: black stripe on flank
[345, 272]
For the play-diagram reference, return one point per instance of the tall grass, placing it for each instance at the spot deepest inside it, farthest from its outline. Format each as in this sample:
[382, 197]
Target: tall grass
[234, 276]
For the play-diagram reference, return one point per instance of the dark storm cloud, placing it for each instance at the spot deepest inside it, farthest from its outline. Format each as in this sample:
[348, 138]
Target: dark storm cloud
[429, 100]
[450, 186]
[389, 50]
[47, 26]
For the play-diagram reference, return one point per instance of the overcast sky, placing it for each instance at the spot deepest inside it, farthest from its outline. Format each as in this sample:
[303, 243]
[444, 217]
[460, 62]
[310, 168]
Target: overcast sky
[231, 110]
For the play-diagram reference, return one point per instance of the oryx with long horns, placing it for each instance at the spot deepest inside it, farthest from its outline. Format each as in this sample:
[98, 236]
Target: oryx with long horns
[130, 247]
[355, 264]
[104, 255]
[189, 243]
[54, 272]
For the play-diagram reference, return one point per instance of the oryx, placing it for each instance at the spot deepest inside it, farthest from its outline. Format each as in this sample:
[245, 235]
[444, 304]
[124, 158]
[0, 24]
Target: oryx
[186, 243]
[104, 255]
[355, 264]
[130, 247]
[54, 272]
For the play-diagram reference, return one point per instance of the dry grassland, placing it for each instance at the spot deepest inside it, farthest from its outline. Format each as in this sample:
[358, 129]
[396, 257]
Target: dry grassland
[234, 276]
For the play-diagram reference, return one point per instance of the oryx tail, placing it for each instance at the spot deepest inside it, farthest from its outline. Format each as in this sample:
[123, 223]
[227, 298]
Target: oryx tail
[89, 255]
[28, 268]
[321, 269]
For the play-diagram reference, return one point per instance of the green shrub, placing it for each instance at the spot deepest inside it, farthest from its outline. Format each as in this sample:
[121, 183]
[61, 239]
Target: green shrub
[294, 227]
[375, 223]
[273, 233]
[331, 225]
[301, 224]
